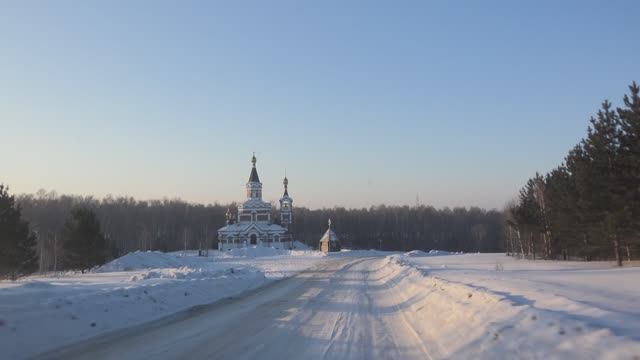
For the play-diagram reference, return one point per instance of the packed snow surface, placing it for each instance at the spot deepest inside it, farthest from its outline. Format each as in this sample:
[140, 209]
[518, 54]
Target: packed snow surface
[346, 305]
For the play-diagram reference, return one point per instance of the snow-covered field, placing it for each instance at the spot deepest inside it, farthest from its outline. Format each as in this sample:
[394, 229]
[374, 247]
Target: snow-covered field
[41, 312]
[350, 305]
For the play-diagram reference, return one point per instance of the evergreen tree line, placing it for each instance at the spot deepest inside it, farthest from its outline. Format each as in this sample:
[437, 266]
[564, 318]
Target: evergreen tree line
[76, 232]
[17, 242]
[66, 224]
[589, 206]
[82, 244]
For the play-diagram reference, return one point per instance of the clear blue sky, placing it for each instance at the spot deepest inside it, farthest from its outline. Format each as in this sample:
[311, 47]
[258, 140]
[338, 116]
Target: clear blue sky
[363, 102]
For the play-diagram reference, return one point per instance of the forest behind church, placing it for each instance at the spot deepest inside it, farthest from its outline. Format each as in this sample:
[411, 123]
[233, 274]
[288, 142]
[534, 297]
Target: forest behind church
[128, 224]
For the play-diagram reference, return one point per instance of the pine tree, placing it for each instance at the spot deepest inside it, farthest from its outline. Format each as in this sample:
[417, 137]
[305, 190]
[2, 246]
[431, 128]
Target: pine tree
[527, 217]
[577, 164]
[561, 210]
[84, 244]
[541, 212]
[604, 198]
[591, 204]
[17, 244]
[630, 162]
[512, 229]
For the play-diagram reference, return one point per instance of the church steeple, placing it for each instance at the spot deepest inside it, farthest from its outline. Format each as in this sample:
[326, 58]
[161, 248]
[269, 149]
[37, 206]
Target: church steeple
[254, 186]
[254, 173]
[285, 182]
[286, 205]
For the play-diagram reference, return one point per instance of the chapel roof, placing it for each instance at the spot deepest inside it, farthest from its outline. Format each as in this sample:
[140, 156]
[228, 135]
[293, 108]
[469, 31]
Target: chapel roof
[329, 235]
[244, 226]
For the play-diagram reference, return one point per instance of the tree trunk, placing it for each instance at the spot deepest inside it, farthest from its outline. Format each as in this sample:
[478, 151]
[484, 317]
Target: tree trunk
[532, 245]
[616, 249]
[520, 241]
[512, 249]
[549, 247]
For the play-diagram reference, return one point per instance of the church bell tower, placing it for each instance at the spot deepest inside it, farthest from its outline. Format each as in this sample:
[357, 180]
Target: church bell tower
[286, 205]
[254, 186]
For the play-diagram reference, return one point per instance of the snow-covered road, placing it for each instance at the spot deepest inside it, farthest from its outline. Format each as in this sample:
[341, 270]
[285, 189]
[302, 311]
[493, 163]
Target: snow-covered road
[375, 305]
[342, 309]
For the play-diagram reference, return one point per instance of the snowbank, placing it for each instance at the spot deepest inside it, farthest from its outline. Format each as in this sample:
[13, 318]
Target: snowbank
[520, 309]
[419, 253]
[146, 260]
[359, 253]
[41, 312]
[258, 251]
[298, 245]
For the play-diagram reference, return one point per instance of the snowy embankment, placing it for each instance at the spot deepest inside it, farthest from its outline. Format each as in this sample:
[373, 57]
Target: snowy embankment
[42, 312]
[414, 305]
[492, 306]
